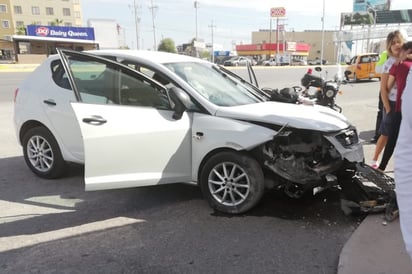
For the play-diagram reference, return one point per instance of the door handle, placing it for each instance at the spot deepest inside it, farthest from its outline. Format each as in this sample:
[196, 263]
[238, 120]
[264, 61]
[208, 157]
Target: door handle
[50, 102]
[198, 135]
[95, 120]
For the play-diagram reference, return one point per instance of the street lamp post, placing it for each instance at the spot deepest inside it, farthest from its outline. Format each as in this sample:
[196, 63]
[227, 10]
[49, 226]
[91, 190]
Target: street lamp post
[212, 26]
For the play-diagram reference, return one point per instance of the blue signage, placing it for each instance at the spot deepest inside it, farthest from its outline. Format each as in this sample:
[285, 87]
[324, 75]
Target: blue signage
[61, 32]
[221, 53]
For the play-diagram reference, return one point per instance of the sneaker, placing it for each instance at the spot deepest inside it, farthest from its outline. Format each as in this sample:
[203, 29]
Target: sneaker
[374, 165]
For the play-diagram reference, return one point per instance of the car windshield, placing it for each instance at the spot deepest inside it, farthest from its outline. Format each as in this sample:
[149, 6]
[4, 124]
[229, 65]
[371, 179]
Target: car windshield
[213, 84]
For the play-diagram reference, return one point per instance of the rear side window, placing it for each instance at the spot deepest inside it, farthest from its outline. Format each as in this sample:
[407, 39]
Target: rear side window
[369, 58]
[365, 59]
[59, 75]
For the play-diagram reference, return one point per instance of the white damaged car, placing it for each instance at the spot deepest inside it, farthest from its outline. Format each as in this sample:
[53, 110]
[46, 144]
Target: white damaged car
[139, 118]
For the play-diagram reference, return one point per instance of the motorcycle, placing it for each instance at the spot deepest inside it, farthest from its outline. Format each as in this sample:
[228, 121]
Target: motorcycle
[324, 91]
[314, 89]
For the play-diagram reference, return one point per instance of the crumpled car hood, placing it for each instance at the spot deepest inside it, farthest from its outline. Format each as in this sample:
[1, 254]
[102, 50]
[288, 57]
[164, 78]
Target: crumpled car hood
[312, 117]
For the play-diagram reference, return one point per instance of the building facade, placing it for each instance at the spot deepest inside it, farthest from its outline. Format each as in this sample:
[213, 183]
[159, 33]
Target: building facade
[16, 15]
[307, 45]
[108, 32]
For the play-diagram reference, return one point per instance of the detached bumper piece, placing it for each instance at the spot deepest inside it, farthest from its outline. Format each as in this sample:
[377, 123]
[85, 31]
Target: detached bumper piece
[367, 190]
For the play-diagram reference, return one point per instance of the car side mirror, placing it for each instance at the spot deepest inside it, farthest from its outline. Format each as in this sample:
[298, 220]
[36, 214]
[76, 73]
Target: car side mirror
[180, 100]
[318, 69]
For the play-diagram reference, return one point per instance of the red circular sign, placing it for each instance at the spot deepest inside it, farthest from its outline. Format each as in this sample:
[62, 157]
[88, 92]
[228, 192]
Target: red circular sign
[42, 31]
[277, 12]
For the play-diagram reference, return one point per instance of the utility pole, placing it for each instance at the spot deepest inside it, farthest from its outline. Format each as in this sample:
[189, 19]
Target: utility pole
[134, 9]
[212, 26]
[152, 8]
[323, 34]
[196, 7]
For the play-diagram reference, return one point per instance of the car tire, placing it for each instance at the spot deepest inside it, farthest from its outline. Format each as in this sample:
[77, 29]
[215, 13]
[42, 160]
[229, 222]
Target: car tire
[232, 182]
[42, 153]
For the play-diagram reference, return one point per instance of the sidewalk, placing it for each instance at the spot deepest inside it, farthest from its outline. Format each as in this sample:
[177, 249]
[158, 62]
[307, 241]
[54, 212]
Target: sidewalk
[375, 248]
[18, 67]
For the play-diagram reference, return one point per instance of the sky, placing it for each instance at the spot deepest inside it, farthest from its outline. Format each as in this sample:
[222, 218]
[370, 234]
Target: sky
[226, 22]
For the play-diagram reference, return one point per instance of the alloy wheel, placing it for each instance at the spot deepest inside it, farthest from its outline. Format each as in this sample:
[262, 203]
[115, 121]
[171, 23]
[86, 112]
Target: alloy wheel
[229, 184]
[40, 153]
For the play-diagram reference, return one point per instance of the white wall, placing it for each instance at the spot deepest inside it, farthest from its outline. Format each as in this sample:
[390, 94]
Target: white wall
[107, 33]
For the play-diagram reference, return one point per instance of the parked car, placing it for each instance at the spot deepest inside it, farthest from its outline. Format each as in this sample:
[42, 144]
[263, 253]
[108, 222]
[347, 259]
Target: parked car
[272, 62]
[239, 61]
[317, 62]
[362, 66]
[298, 62]
[140, 118]
[269, 62]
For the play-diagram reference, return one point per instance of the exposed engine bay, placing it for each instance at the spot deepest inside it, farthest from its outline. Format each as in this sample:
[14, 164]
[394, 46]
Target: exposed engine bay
[298, 161]
[301, 157]
[305, 157]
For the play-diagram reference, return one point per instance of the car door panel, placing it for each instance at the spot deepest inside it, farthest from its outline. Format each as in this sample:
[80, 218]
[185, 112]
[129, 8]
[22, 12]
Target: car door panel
[127, 143]
[62, 118]
[133, 146]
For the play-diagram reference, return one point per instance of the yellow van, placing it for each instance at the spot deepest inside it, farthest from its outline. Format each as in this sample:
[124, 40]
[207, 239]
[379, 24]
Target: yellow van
[362, 66]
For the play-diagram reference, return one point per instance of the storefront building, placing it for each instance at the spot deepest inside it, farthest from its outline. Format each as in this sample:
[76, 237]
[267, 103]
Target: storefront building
[41, 41]
[286, 51]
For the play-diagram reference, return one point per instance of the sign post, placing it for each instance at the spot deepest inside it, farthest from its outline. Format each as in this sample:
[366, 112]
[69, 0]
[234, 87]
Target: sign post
[276, 13]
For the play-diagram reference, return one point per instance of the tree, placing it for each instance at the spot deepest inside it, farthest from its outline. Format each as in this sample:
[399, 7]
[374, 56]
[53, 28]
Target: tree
[167, 45]
[205, 54]
[56, 22]
[21, 30]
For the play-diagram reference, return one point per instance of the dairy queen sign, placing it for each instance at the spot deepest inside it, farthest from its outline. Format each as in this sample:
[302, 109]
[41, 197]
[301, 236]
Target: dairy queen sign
[61, 32]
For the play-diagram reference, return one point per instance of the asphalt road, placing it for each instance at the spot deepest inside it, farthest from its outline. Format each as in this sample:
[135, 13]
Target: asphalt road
[54, 226]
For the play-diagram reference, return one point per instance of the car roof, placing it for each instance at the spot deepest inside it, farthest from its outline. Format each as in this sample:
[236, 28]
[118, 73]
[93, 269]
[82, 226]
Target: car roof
[367, 53]
[152, 56]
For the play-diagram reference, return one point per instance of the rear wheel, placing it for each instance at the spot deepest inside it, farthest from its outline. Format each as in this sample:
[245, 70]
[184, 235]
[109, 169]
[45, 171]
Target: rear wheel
[232, 182]
[42, 153]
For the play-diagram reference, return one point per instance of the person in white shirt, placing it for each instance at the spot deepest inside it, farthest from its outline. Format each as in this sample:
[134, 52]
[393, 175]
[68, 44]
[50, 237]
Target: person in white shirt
[394, 42]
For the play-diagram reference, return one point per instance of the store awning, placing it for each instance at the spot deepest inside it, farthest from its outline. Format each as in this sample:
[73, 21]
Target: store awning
[51, 39]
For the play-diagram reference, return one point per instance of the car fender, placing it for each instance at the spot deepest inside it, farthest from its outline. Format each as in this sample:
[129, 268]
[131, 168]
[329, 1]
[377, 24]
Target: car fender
[211, 133]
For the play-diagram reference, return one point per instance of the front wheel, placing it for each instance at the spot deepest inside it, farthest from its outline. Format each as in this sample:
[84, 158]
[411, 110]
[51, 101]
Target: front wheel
[232, 182]
[42, 153]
